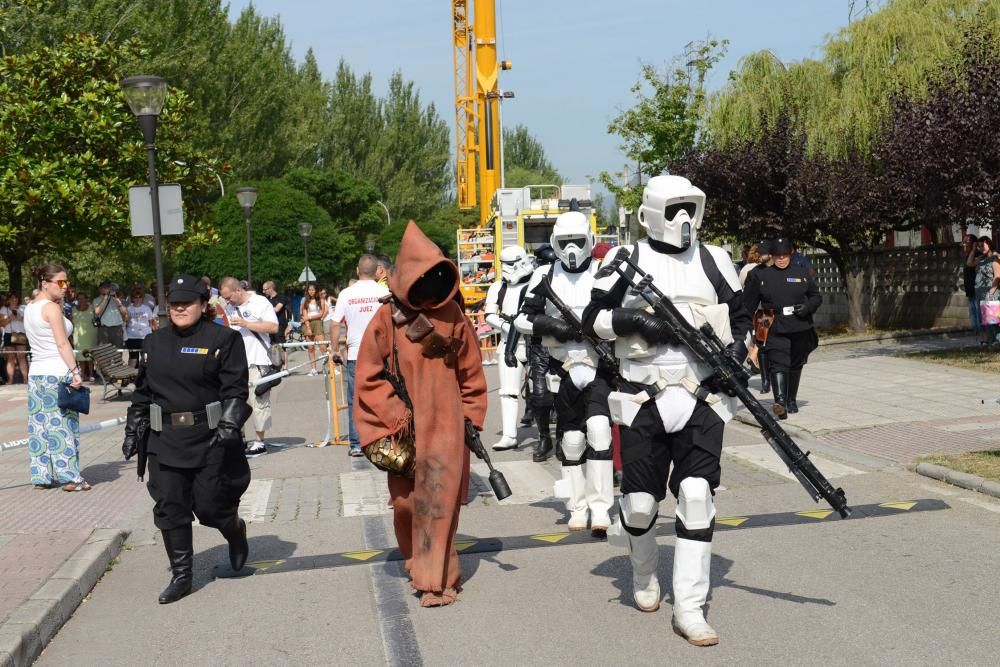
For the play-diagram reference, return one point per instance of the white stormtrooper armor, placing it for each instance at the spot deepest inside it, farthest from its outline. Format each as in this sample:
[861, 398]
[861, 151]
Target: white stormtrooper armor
[586, 483]
[703, 285]
[504, 298]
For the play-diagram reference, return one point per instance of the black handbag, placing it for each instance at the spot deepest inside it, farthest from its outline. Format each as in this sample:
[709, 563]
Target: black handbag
[74, 400]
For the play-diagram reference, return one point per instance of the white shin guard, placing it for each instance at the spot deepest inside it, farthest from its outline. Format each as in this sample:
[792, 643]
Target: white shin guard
[645, 556]
[600, 492]
[692, 565]
[508, 421]
[572, 489]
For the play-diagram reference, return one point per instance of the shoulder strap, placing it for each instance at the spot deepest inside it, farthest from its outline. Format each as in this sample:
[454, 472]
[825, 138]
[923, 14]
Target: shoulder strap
[711, 268]
[501, 293]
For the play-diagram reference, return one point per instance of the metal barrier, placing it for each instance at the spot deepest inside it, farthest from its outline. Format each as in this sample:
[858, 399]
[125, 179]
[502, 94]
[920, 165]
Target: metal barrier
[84, 428]
[336, 392]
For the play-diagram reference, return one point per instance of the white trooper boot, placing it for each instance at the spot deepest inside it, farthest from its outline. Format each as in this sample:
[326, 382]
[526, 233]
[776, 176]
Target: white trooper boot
[508, 420]
[638, 511]
[600, 489]
[692, 563]
[573, 485]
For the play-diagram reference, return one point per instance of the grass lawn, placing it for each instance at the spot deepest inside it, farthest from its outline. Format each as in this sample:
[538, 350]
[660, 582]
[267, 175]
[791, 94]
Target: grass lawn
[985, 464]
[975, 357]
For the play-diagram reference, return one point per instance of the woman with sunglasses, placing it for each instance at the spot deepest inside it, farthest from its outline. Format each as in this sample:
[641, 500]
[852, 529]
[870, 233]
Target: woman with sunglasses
[53, 433]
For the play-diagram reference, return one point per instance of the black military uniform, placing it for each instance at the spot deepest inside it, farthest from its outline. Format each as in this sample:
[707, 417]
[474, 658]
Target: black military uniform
[539, 398]
[792, 296]
[195, 469]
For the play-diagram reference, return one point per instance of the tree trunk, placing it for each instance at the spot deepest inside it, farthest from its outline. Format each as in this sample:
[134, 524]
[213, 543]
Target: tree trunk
[853, 275]
[14, 275]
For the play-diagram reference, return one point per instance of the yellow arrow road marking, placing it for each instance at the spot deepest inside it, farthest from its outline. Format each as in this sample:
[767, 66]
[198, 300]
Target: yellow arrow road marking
[900, 505]
[550, 537]
[815, 514]
[362, 555]
[732, 520]
[264, 564]
[462, 546]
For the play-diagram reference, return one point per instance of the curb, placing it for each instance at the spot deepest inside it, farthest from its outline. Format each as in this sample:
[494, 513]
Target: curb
[895, 335]
[955, 478]
[36, 621]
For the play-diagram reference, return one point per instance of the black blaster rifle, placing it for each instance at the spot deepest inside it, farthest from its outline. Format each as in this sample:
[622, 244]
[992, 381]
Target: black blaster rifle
[729, 375]
[472, 440]
[601, 347]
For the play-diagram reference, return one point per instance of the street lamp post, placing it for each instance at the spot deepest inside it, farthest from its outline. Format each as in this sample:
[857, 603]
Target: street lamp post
[247, 198]
[305, 229]
[145, 96]
[388, 220]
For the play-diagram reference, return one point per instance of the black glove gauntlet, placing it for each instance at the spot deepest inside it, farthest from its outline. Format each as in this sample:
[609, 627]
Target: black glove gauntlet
[627, 321]
[799, 310]
[544, 325]
[229, 432]
[136, 429]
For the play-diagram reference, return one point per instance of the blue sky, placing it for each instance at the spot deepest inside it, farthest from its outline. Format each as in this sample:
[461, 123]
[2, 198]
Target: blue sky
[574, 60]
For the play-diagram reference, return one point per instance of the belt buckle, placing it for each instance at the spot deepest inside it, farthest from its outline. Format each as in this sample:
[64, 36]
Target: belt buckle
[182, 419]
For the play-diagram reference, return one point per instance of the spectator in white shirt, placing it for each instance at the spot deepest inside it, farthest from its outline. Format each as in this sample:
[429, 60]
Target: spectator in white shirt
[140, 323]
[254, 318]
[356, 306]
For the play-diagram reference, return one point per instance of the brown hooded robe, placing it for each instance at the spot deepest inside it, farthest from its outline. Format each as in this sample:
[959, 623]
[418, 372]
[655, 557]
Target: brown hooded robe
[444, 393]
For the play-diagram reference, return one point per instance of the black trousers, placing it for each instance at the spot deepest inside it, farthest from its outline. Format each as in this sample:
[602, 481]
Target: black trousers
[211, 492]
[538, 363]
[789, 351]
[648, 451]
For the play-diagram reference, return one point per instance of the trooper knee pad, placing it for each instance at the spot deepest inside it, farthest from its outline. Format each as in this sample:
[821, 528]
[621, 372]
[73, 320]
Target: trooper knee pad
[599, 439]
[574, 447]
[695, 510]
[638, 512]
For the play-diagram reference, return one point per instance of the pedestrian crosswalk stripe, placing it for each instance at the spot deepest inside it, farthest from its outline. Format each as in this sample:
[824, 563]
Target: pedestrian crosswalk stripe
[551, 537]
[733, 521]
[900, 505]
[478, 545]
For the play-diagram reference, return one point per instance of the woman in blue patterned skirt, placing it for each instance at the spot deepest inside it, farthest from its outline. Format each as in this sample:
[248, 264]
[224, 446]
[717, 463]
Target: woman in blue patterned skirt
[53, 433]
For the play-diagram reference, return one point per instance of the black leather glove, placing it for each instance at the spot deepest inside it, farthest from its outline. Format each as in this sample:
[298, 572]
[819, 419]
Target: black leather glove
[229, 432]
[562, 331]
[136, 429]
[627, 321]
[799, 310]
[737, 352]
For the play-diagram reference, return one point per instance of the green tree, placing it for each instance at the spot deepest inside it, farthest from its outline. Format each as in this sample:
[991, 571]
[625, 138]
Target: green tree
[350, 202]
[523, 154]
[69, 149]
[665, 120]
[277, 249]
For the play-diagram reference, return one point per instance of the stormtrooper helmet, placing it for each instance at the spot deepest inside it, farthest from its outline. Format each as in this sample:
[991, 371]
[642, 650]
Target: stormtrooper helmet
[572, 239]
[514, 264]
[672, 210]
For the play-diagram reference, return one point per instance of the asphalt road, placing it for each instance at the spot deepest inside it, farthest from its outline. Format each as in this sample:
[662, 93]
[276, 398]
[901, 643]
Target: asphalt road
[910, 584]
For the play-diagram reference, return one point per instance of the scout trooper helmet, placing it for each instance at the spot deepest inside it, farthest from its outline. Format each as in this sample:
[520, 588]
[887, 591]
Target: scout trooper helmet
[572, 239]
[515, 266]
[672, 210]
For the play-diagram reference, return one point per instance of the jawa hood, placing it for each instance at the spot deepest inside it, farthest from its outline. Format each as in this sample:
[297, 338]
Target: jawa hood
[422, 273]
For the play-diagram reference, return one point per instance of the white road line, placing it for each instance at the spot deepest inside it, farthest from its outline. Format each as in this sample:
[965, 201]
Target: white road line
[529, 482]
[253, 505]
[364, 493]
[959, 428]
[940, 490]
[765, 457]
[985, 504]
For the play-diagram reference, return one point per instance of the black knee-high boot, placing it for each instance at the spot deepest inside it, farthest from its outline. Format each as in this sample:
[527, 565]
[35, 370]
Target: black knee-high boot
[765, 376]
[793, 390]
[180, 552]
[235, 533]
[779, 383]
[544, 447]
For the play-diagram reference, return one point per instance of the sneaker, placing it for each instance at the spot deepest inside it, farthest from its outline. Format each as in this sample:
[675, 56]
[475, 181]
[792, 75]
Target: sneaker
[355, 451]
[312, 373]
[255, 449]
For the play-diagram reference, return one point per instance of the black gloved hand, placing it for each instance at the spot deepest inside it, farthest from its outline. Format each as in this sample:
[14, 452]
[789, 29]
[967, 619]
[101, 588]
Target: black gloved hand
[799, 310]
[627, 321]
[136, 429]
[229, 432]
[562, 331]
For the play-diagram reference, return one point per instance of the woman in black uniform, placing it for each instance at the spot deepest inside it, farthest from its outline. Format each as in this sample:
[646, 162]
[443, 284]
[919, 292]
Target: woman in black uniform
[188, 411]
[790, 293]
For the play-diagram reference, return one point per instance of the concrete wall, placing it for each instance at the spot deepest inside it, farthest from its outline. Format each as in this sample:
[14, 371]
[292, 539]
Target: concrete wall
[906, 288]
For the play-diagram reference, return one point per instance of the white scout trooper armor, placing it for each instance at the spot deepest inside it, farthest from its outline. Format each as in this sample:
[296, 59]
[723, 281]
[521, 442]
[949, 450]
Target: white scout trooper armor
[503, 300]
[591, 493]
[683, 270]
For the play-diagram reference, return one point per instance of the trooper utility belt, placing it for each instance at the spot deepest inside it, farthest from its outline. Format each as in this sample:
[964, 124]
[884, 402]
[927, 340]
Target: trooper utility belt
[210, 415]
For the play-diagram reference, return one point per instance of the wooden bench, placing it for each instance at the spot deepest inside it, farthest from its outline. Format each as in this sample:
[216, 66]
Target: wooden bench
[110, 368]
